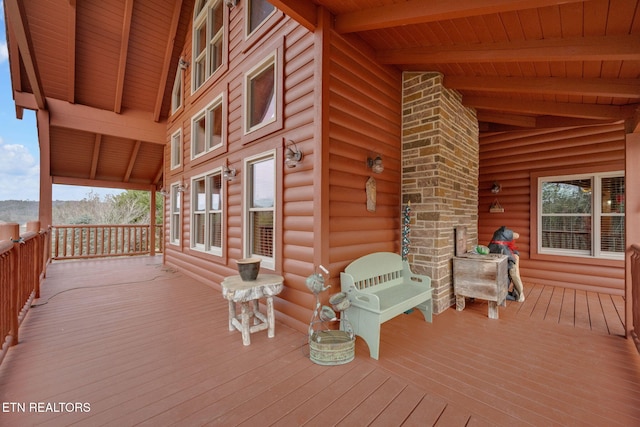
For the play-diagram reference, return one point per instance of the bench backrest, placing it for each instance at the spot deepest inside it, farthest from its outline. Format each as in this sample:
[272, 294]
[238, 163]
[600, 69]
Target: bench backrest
[380, 269]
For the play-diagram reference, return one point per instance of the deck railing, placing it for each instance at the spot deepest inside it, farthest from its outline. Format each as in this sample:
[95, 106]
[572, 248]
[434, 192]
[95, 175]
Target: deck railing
[635, 293]
[99, 241]
[23, 261]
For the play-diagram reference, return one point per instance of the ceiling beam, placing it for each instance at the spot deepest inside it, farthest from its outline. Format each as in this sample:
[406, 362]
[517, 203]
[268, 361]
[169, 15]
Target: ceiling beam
[507, 119]
[71, 52]
[16, 16]
[304, 12]
[65, 180]
[423, 11]
[563, 109]
[132, 161]
[124, 50]
[130, 125]
[598, 48]
[615, 88]
[96, 155]
[166, 63]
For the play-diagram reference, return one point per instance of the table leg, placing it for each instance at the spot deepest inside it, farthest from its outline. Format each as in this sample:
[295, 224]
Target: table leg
[255, 303]
[245, 314]
[460, 302]
[232, 314]
[271, 318]
[493, 310]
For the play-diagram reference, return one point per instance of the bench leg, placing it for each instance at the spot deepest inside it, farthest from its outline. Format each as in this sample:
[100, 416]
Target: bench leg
[367, 327]
[427, 310]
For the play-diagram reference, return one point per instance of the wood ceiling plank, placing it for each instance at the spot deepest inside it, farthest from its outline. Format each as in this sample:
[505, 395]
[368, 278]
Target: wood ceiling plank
[598, 112]
[423, 11]
[626, 88]
[71, 52]
[16, 14]
[507, 119]
[625, 47]
[124, 49]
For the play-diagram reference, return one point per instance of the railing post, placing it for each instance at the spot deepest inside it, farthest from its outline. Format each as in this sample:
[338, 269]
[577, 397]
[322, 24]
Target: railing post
[11, 232]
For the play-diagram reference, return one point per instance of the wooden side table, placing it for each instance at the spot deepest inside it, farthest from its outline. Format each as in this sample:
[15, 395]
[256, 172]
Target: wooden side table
[248, 294]
[481, 276]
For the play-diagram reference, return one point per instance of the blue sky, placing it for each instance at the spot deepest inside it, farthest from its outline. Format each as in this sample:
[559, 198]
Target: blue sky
[19, 151]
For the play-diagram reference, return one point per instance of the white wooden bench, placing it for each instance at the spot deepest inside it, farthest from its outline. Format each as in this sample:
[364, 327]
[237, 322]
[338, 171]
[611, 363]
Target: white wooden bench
[381, 286]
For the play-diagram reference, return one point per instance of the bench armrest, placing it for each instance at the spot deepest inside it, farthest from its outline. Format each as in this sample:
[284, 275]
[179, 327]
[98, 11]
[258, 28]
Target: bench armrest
[417, 278]
[357, 297]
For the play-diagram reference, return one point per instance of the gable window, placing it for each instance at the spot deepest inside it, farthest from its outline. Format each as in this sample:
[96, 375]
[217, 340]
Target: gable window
[208, 39]
[261, 89]
[174, 212]
[257, 12]
[260, 213]
[176, 149]
[206, 220]
[207, 131]
[582, 215]
[176, 93]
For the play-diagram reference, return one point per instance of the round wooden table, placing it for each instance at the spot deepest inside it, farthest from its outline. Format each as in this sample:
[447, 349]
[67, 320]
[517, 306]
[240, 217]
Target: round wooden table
[248, 294]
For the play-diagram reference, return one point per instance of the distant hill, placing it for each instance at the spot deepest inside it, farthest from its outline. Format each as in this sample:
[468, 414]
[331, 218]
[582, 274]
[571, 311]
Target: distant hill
[19, 211]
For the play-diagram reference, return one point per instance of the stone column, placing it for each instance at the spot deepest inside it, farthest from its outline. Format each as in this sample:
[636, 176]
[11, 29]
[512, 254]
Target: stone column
[439, 176]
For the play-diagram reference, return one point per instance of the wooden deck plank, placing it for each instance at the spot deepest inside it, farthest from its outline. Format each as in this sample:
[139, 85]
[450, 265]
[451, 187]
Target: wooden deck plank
[149, 346]
[567, 313]
[400, 408]
[597, 318]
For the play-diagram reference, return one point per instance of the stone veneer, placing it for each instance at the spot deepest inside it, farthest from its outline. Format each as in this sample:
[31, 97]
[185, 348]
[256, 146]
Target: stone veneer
[439, 177]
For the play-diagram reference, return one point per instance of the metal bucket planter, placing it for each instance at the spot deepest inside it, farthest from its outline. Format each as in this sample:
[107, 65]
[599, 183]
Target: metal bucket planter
[331, 347]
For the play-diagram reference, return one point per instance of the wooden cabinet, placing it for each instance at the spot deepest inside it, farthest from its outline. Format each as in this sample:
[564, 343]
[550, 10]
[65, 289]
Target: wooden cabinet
[481, 276]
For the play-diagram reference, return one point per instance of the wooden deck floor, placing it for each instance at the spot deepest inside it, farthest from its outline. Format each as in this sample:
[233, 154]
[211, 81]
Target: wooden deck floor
[128, 342]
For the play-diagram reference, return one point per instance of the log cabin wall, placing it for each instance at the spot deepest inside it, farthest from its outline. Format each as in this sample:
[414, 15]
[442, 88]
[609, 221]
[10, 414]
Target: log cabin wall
[295, 187]
[364, 116]
[514, 160]
[440, 177]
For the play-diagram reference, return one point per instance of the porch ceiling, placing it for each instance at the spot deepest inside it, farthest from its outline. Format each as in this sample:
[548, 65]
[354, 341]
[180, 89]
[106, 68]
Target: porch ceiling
[520, 64]
[101, 72]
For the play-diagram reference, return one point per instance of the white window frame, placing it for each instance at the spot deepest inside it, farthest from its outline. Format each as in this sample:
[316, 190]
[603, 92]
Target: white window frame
[207, 114]
[202, 207]
[177, 93]
[271, 59]
[205, 17]
[267, 262]
[596, 216]
[247, 19]
[175, 214]
[176, 149]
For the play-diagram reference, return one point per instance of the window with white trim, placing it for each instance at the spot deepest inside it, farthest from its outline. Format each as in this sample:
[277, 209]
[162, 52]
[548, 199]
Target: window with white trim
[257, 12]
[177, 91]
[175, 224]
[207, 128]
[261, 89]
[206, 220]
[260, 181]
[582, 215]
[176, 149]
[208, 40]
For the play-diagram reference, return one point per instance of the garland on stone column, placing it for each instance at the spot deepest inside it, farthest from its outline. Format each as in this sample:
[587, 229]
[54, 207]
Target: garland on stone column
[405, 231]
